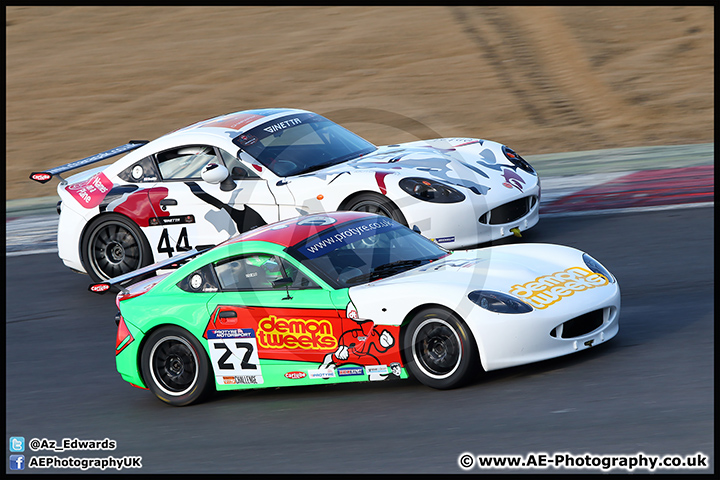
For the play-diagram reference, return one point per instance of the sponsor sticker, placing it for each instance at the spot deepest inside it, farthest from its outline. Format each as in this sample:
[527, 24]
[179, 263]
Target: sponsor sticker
[246, 140]
[377, 369]
[295, 375]
[350, 371]
[283, 125]
[99, 288]
[92, 191]
[322, 373]
[550, 289]
[444, 239]
[334, 239]
[243, 380]
[41, 177]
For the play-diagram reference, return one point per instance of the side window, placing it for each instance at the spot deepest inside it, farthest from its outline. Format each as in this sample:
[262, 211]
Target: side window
[237, 169]
[300, 280]
[185, 162]
[141, 171]
[258, 272]
[201, 280]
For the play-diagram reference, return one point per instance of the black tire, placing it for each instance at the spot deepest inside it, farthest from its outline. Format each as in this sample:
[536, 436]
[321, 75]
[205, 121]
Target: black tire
[113, 245]
[175, 367]
[377, 204]
[439, 349]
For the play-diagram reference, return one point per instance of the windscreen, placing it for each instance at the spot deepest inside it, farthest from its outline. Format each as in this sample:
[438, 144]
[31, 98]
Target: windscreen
[301, 143]
[365, 250]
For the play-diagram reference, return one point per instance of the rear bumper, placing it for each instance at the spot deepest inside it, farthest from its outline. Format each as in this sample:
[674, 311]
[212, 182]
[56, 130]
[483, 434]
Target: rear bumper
[70, 227]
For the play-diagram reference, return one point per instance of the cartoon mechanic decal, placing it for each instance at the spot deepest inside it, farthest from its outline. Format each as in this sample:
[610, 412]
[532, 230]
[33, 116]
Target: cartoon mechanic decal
[360, 346]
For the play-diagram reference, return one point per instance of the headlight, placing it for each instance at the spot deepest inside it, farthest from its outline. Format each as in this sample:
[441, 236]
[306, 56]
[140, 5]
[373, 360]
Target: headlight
[517, 160]
[431, 190]
[499, 302]
[596, 267]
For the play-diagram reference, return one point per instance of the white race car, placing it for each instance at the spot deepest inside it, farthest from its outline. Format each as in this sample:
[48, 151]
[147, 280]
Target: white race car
[200, 185]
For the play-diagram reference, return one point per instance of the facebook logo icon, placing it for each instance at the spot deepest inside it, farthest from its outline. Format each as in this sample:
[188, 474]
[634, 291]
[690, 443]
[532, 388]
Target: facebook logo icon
[17, 462]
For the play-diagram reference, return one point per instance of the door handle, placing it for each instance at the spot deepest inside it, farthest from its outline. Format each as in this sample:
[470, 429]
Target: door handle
[228, 314]
[167, 202]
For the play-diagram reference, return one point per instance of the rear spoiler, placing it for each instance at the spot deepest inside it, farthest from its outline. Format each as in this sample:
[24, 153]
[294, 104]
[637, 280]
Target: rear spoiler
[172, 262]
[46, 175]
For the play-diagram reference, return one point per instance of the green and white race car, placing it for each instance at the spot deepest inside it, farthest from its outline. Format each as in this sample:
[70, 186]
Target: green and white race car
[348, 297]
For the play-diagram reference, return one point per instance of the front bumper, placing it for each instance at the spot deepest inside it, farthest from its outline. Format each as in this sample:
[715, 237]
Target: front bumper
[511, 340]
[473, 221]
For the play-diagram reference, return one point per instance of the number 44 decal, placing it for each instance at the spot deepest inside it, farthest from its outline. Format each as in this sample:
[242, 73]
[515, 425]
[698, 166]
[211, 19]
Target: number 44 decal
[182, 244]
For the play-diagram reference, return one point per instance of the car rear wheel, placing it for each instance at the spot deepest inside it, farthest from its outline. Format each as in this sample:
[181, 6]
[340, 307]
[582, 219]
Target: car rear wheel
[175, 367]
[439, 350]
[377, 204]
[113, 245]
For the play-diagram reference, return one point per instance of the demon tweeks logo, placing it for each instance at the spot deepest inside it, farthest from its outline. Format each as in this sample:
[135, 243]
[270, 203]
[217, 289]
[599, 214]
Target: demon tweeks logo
[274, 332]
[548, 289]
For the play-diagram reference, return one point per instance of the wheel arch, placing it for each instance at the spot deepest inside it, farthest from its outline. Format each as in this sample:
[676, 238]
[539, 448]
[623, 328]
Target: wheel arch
[169, 323]
[103, 216]
[412, 313]
[344, 205]
[350, 198]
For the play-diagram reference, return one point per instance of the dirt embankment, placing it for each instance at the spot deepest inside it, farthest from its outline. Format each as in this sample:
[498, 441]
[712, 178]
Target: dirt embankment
[81, 80]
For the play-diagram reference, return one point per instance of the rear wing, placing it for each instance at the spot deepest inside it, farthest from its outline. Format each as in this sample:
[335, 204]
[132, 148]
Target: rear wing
[172, 262]
[46, 175]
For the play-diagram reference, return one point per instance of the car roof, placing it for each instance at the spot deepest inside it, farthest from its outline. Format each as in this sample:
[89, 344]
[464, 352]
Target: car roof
[293, 231]
[232, 124]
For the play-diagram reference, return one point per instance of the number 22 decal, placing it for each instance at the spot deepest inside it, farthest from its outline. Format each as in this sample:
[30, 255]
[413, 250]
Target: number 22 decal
[234, 356]
[244, 363]
[182, 244]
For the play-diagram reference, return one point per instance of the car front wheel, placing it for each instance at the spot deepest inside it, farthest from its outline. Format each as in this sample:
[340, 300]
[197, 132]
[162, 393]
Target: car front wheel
[175, 367]
[440, 350]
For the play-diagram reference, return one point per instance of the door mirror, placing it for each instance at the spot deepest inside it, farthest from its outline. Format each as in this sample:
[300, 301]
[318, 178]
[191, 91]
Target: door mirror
[283, 282]
[214, 173]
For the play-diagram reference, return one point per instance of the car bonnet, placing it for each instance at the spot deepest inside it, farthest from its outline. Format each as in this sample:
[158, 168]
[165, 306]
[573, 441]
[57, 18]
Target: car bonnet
[476, 167]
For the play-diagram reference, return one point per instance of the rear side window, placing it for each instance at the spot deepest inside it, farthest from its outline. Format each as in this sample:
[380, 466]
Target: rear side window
[141, 171]
[201, 280]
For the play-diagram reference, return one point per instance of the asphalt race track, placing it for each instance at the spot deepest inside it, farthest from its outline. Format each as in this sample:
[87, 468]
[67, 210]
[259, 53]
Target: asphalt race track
[649, 390]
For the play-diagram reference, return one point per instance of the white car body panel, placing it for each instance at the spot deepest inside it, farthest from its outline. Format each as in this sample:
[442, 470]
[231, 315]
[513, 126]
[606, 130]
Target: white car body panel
[503, 340]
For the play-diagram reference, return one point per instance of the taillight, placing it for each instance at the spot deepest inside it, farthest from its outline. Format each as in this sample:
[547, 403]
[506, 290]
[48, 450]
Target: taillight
[124, 337]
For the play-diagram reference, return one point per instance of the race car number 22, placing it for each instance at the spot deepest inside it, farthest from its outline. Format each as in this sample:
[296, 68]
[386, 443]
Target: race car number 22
[234, 356]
